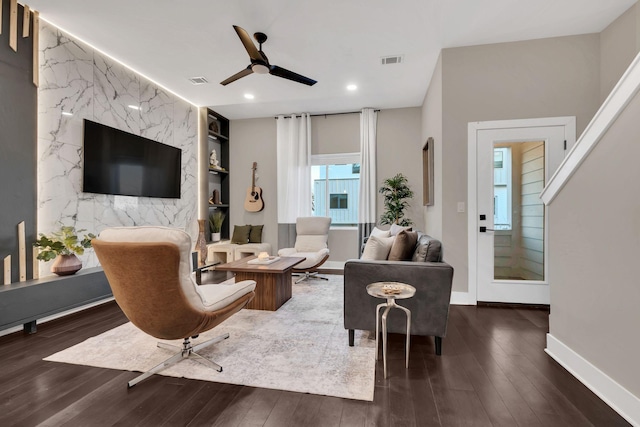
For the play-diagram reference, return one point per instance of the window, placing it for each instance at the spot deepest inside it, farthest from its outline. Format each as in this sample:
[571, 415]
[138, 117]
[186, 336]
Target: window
[335, 180]
[502, 188]
[338, 201]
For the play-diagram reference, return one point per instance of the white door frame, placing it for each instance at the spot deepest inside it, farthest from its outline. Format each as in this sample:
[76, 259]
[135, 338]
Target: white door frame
[568, 122]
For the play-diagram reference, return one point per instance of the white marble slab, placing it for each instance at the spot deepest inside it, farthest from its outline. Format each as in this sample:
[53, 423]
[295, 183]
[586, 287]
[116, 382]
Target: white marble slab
[66, 85]
[88, 84]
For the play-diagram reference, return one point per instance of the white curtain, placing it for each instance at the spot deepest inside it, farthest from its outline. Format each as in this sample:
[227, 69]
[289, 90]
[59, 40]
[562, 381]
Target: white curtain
[294, 174]
[368, 191]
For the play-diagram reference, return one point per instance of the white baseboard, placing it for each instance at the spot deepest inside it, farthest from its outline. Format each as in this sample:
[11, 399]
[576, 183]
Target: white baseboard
[613, 394]
[461, 298]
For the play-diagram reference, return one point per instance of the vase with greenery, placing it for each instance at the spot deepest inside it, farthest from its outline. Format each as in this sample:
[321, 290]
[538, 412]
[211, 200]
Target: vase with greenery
[64, 245]
[396, 191]
[215, 222]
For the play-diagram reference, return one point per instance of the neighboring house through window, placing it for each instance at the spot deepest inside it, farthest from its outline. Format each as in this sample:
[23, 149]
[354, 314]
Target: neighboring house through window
[335, 180]
[502, 188]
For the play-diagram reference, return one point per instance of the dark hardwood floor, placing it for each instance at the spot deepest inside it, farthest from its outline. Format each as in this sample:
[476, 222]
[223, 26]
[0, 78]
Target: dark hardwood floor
[493, 372]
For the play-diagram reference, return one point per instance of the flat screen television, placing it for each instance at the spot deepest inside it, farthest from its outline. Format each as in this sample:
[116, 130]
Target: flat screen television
[117, 162]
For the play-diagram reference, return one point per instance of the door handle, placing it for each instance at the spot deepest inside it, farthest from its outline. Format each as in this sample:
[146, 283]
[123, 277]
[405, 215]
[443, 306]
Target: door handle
[485, 229]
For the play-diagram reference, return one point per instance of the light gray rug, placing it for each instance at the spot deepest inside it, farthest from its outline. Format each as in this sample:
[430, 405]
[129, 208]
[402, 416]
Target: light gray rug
[302, 347]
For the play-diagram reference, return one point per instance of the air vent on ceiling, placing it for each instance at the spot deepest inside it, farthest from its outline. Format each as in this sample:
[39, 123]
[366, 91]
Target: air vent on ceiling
[395, 59]
[198, 80]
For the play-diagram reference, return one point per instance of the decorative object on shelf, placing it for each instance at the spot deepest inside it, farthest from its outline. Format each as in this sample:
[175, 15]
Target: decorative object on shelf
[395, 190]
[201, 243]
[215, 222]
[66, 265]
[64, 245]
[215, 198]
[22, 247]
[214, 126]
[253, 201]
[7, 270]
[213, 160]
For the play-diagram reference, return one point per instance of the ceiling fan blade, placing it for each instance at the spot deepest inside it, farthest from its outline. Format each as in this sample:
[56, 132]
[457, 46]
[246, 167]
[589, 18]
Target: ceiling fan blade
[237, 76]
[286, 74]
[251, 48]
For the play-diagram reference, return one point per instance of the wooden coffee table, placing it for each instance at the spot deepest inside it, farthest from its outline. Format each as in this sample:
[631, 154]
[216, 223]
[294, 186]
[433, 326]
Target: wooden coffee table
[273, 281]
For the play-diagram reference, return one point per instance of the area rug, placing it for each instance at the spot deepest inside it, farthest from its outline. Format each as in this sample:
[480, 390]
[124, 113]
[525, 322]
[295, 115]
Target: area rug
[301, 347]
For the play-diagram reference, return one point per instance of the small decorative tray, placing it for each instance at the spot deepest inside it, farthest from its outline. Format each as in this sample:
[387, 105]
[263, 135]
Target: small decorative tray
[391, 290]
[269, 260]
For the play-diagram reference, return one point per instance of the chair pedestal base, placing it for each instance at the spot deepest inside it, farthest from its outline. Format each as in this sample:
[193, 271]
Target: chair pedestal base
[308, 275]
[187, 351]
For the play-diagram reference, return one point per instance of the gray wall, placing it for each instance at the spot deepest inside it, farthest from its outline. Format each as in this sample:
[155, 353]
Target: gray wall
[528, 79]
[619, 44]
[399, 150]
[595, 224]
[254, 140]
[432, 127]
[17, 144]
[594, 292]
[335, 134]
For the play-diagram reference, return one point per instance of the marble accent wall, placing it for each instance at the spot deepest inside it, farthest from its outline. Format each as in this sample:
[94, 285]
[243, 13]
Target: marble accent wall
[76, 79]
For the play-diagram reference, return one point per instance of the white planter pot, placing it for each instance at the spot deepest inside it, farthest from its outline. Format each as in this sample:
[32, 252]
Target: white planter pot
[215, 237]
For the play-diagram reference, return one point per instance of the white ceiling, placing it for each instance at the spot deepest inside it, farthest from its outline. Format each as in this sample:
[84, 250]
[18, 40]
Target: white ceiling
[336, 42]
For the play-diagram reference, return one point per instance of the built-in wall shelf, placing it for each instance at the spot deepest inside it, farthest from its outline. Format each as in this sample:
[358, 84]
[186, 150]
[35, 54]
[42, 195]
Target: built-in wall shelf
[214, 135]
[24, 303]
[218, 179]
[216, 171]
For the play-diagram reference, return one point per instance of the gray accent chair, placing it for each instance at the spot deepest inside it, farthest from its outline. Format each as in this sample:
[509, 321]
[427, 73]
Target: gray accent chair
[431, 277]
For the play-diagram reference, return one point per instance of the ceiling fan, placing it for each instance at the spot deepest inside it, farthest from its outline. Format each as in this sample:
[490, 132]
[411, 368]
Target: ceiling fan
[260, 62]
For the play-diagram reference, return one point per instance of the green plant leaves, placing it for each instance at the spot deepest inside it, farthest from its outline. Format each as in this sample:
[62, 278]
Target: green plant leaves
[62, 242]
[215, 221]
[395, 191]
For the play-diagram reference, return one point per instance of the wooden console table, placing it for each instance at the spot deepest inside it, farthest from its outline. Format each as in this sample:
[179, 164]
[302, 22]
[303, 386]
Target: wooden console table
[273, 281]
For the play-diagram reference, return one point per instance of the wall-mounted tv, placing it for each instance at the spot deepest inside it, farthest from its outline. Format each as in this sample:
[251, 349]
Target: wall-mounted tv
[117, 162]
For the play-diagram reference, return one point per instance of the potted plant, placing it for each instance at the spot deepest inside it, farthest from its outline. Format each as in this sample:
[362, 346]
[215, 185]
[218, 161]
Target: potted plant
[215, 222]
[396, 190]
[63, 245]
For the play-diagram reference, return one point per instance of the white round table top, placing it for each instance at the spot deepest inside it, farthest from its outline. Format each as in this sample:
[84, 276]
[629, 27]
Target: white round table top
[395, 290]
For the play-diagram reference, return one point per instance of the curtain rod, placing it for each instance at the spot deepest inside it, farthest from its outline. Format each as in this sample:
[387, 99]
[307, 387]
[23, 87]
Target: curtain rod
[330, 114]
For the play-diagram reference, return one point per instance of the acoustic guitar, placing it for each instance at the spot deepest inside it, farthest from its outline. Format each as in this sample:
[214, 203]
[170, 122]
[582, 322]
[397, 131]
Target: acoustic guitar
[253, 202]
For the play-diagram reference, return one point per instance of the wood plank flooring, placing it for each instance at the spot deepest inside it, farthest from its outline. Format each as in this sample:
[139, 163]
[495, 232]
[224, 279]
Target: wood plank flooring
[492, 372]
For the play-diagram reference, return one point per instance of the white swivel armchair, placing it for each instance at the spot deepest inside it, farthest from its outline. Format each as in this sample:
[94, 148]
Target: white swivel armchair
[312, 234]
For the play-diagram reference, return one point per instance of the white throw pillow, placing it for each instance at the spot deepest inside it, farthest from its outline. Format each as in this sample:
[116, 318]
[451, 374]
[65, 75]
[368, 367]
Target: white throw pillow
[377, 248]
[311, 243]
[376, 232]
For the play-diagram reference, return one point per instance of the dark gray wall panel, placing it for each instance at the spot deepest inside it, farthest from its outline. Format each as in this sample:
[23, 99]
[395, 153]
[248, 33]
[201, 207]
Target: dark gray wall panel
[18, 144]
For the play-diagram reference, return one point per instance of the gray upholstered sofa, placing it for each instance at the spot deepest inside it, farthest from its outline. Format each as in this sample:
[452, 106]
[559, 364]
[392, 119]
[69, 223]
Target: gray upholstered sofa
[431, 277]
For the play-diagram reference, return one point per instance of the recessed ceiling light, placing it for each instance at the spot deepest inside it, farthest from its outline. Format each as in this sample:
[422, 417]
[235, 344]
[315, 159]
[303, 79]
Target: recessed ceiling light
[249, 96]
[352, 87]
[133, 107]
[66, 113]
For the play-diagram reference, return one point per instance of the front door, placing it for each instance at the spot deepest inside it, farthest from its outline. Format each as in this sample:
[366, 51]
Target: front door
[513, 165]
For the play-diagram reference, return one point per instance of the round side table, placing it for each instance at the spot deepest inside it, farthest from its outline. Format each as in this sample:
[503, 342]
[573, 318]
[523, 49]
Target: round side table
[391, 291]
